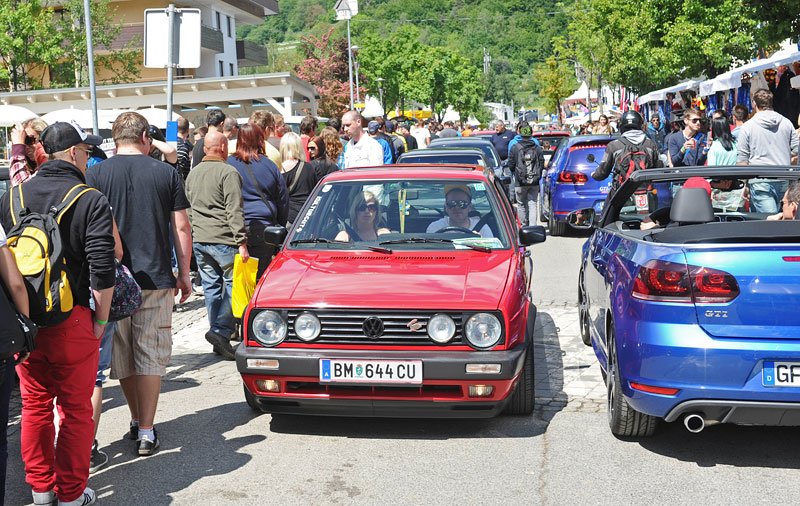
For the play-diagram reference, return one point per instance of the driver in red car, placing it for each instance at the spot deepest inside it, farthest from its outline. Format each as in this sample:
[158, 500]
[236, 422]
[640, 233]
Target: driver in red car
[457, 206]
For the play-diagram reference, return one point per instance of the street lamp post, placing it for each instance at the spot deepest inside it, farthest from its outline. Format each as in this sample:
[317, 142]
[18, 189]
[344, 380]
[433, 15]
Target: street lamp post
[354, 51]
[380, 91]
[346, 9]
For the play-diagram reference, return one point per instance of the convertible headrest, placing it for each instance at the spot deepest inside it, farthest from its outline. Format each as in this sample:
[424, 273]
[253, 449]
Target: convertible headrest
[691, 205]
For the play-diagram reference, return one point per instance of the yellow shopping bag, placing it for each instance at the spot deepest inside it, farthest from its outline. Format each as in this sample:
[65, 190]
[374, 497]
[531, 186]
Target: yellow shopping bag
[244, 283]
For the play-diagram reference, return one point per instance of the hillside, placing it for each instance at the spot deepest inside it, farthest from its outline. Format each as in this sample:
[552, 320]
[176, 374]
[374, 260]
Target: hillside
[515, 33]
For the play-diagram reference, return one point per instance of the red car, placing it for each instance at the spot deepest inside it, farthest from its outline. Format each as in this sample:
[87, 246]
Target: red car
[401, 291]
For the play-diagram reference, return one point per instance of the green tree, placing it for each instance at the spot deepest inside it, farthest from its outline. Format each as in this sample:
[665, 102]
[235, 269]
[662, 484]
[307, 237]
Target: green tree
[777, 21]
[123, 64]
[28, 42]
[555, 82]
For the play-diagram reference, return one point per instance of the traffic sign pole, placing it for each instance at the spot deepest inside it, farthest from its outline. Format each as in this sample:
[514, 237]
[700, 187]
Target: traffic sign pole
[170, 58]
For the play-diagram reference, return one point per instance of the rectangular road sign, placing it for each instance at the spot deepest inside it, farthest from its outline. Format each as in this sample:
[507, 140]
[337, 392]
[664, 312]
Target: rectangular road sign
[186, 37]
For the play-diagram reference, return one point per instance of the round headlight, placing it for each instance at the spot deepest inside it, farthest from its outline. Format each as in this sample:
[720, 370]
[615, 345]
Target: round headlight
[483, 330]
[269, 328]
[441, 328]
[307, 326]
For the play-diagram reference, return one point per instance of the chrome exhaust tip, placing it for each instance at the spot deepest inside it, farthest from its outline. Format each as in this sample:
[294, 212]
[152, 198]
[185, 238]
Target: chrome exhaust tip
[694, 423]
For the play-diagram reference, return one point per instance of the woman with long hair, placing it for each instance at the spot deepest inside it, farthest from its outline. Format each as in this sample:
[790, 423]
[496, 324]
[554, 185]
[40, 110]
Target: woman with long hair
[301, 177]
[364, 216]
[317, 148]
[723, 147]
[266, 199]
[334, 149]
[603, 126]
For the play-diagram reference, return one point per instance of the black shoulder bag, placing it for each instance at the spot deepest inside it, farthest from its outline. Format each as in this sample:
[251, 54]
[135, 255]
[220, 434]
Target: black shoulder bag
[19, 334]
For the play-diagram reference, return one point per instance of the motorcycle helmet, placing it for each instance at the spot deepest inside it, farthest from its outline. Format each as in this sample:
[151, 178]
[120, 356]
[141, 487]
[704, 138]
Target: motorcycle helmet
[630, 120]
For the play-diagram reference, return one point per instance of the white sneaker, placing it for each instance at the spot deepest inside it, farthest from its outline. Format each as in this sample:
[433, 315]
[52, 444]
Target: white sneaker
[44, 498]
[86, 499]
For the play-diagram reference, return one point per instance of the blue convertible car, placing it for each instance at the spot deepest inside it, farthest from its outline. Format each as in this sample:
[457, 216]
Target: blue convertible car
[693, 310]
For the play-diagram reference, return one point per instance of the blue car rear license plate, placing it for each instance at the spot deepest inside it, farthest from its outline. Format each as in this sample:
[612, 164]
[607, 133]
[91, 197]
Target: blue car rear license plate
[404, 372]
[781, 374]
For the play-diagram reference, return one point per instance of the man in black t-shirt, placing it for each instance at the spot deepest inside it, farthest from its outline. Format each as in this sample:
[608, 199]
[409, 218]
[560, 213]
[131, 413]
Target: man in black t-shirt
[147, 200]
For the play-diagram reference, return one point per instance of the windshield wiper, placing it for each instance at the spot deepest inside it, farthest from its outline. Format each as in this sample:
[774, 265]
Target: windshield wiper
[427, 240]
[322, 240]
[316, 240]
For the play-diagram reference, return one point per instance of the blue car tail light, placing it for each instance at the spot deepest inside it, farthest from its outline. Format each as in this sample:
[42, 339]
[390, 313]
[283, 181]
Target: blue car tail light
[573, 177]
[662, 281]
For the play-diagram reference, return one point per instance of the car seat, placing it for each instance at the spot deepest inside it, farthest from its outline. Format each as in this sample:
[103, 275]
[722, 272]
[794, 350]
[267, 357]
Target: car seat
[691, 206]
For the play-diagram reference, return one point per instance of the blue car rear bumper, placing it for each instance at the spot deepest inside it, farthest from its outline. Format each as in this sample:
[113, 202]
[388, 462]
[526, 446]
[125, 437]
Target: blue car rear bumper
[703, 368]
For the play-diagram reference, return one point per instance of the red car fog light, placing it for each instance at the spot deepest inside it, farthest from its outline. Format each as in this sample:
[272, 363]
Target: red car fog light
[268, 385]
[480, 390]
[650, 389]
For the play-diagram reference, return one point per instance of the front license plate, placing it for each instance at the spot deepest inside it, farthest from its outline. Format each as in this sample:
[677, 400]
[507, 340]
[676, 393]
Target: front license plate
[781, 374]
[405, 372]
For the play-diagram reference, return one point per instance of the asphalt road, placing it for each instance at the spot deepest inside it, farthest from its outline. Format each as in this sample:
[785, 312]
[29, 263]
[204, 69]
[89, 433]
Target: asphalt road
[216, 451]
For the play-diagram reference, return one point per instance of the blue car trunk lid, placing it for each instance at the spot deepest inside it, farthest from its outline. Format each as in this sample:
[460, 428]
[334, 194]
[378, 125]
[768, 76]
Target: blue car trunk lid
[768, 304]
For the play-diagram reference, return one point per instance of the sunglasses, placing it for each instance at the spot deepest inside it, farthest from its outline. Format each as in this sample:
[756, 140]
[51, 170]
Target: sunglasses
[312, 148]
[30, 140]
[373, 208]
[461, 204]
[693, 120]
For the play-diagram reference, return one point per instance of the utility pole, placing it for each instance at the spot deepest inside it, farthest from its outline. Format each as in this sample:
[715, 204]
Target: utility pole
[487, 60]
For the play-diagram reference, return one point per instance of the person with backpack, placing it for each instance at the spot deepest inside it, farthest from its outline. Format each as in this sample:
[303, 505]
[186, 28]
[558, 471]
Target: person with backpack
[632, 151]
[13, 299]
[76, 221]
[526, 163]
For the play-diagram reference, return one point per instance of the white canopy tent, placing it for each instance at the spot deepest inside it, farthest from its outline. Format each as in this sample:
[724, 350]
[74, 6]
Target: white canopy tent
[372, 107]
[733, 78]
[657, 95]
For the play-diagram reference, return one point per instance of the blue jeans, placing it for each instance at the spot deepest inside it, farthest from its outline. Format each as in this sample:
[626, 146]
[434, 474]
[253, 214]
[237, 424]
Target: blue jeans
[215, 264]
[6, 384]
[105, 353]
[765, 195]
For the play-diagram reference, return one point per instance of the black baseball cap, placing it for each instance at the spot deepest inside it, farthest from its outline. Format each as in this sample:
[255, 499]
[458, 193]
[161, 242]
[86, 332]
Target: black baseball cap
[61, 136]
[373, 127]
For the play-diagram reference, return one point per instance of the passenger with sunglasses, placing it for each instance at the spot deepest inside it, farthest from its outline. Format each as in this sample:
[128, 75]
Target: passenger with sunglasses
[688, 147]
[364, 216]
[457, 206]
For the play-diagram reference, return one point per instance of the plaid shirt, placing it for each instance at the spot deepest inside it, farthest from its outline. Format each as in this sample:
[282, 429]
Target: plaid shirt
[19, 171]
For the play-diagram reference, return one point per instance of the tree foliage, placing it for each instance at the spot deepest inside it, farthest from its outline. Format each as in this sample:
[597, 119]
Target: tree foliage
[326, 67]
[555, 82]
[649, 45]
[38, 39]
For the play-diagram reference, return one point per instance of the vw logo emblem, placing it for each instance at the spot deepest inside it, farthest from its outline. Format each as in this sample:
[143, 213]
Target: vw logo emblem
[372, 327]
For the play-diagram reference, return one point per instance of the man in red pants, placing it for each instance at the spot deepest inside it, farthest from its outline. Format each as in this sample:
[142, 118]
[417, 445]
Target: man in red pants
[64, 364]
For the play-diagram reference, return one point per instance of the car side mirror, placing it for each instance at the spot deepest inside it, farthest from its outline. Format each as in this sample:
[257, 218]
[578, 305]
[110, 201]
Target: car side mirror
[582, 218]
[590, 158]
[532, 234]
[275, 235]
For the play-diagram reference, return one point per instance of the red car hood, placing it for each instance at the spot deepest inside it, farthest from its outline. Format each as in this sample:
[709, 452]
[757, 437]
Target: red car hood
[423, 280]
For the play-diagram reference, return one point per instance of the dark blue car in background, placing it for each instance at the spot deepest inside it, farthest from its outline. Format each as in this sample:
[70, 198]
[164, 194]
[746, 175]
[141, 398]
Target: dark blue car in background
[567, 184]
[692, 309]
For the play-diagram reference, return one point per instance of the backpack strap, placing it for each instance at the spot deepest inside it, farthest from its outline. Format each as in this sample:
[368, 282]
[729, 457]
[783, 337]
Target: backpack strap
[69, 200]
[16, 207]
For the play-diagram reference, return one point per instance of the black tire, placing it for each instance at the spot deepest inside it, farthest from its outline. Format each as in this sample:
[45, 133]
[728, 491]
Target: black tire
[624, 421]
[251, 400]
[522, 399]
[557, 228]
[583, 313]
[540, 206]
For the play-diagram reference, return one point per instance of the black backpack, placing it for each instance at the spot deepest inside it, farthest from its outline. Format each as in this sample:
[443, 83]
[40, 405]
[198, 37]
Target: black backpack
[530, 163]
[35, 239]
[631, 158]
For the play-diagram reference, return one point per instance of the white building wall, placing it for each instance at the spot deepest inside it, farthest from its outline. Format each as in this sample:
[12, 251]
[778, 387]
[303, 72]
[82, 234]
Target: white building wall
[225, 63]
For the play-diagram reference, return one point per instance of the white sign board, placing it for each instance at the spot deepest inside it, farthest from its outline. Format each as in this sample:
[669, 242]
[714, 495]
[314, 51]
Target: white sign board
[346, 9]
[186, 37]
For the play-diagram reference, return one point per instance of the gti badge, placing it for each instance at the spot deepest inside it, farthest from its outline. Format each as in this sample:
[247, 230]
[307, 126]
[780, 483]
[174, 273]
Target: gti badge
[716, 314]
[414, 325]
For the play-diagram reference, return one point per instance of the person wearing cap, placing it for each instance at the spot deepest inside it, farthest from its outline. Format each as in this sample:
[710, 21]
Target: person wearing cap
[526, 193]
[398, 141]
[457, 206]
[374, 131]
[361, 150]
[63, 366]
